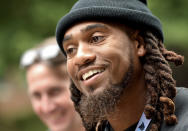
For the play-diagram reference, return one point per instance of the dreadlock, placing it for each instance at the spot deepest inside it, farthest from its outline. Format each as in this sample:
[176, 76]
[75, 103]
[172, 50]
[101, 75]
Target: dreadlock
[161, 86]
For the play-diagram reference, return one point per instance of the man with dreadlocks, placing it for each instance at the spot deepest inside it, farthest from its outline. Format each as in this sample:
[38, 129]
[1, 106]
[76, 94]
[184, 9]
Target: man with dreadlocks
[119, 67]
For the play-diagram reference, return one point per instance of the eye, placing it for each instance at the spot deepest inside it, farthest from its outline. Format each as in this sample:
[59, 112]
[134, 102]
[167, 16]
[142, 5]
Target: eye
[71, 50]
[36, 96]
[96, 38]
[55, 91]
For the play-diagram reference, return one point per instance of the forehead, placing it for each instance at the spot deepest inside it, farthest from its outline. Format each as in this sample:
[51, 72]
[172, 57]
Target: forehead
[84, 26]
[43, 75]
[89, 25]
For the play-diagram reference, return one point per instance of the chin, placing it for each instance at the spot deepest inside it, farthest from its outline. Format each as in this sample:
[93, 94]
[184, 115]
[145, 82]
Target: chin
[97, 89]
[62, 127]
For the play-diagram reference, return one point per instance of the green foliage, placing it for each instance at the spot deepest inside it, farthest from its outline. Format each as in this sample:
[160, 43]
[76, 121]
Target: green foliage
[174, 17]
[29, 122]
[25, 24]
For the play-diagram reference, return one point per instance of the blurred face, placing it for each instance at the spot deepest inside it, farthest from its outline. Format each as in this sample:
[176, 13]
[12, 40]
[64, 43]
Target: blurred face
[50, 97]
[98, 55]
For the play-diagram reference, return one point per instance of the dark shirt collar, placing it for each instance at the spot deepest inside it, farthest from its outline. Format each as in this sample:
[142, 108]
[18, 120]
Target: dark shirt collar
[109, 128]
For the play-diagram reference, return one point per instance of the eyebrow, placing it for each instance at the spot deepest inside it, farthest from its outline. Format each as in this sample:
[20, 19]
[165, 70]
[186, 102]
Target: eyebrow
[93, 26]
[66, 38]
[33, 93]
[87, 28]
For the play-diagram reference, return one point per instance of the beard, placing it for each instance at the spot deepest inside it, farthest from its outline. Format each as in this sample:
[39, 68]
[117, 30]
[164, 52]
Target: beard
[96, 107]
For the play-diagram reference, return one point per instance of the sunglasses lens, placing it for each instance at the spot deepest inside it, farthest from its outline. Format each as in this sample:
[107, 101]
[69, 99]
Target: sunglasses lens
[49, 52]
[28, 58]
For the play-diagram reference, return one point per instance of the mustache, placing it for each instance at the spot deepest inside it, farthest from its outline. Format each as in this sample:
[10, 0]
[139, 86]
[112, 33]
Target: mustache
[79, 68]
[88, 63]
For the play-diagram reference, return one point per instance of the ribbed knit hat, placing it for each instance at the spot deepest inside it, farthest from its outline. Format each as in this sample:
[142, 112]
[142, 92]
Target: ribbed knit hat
[130, 12]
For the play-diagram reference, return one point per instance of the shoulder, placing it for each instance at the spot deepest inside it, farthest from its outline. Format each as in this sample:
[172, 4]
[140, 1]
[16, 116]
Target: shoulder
[181, 102]
[181, 99]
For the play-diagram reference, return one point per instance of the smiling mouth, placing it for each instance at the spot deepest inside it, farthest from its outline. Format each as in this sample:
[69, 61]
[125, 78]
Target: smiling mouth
[91, 73]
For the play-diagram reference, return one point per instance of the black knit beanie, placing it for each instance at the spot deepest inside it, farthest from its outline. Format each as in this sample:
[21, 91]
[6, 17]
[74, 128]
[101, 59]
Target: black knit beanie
[131, 12]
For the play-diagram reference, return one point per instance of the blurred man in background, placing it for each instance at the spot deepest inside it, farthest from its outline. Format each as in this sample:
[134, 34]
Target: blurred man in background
[48, 87]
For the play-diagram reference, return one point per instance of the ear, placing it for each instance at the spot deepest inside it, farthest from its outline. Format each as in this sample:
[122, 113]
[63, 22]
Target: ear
[141, 51]
[139, 44]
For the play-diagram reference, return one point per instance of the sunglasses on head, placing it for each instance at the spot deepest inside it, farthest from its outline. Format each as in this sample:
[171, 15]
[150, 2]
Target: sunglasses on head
[49, 53]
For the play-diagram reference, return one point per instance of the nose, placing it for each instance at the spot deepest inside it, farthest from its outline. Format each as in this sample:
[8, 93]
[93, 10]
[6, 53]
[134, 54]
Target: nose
[47, 105]
[85, 55]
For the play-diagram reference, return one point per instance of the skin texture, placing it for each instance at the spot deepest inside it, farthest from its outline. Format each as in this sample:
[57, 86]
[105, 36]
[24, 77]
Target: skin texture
[50, 97]
[107, 47]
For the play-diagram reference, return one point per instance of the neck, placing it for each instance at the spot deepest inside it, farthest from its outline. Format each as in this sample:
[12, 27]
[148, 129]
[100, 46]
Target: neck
[130, 107]
[76, 124]
[78, 128]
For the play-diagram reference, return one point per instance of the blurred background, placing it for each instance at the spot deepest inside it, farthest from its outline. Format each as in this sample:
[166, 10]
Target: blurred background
[24, 23]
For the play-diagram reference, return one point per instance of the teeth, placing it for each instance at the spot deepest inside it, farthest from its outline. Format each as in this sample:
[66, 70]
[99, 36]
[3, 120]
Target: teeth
[90, 73]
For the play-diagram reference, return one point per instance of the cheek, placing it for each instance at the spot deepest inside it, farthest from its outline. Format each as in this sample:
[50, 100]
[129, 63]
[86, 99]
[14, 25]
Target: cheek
[65, 99]
[36, 106]
[66, 103]
[120, 66]
[70, 68]
[118, 60]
